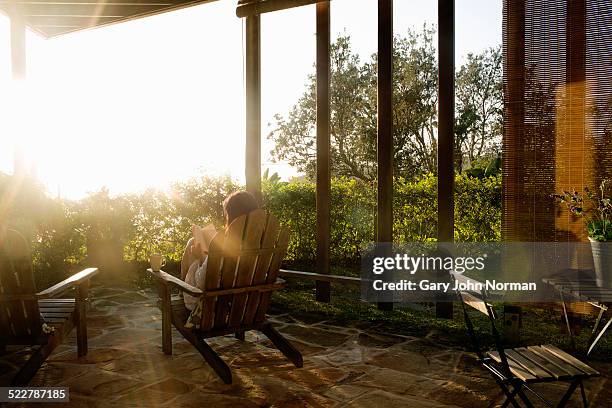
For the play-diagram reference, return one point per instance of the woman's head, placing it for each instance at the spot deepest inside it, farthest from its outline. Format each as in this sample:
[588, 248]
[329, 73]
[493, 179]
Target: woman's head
[237, 204]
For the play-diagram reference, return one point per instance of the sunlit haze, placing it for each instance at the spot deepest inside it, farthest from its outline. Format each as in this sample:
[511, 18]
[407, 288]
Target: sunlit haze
[160, 99]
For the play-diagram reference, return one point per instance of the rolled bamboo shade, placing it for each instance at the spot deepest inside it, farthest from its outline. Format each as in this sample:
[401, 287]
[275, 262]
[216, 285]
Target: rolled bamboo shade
[558, 112]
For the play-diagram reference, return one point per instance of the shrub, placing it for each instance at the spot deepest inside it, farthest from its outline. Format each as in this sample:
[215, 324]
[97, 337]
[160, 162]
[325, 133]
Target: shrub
[62, 232]
[353, 213]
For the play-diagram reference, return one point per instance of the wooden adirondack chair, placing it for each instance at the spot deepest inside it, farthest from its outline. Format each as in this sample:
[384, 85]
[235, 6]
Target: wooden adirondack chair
[241, 275]
[24, 312]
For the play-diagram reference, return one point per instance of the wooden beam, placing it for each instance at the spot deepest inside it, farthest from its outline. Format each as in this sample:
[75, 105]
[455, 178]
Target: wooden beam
[253, 105]
[514, 215]
[92, 2]
[446, 131]
[18, 44]
[93, 10]
[384, 219]
[323, 198]
[63, 11]
[256, 7]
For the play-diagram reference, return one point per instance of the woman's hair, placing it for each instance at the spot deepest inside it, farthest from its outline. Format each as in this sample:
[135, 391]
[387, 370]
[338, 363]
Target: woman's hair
[237, 204]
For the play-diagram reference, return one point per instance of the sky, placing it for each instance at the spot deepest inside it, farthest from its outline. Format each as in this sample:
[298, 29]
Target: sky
[161, 99]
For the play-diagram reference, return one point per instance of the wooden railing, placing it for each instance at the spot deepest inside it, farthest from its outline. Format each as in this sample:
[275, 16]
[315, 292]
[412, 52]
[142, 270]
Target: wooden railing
[343, 280]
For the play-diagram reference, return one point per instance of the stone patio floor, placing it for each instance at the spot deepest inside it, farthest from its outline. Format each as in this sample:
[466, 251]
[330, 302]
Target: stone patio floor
[343, 366]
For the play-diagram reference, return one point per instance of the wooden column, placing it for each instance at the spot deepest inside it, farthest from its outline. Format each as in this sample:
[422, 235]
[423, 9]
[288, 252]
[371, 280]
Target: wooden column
[446, 137]
[515, 215]
[82, 292]
[18, 44]
[574, 164]
[253, 105]
[384, 219]
[323, 292]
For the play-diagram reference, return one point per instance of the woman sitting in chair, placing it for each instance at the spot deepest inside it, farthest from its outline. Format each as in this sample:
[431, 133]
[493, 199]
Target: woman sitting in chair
[194, 261]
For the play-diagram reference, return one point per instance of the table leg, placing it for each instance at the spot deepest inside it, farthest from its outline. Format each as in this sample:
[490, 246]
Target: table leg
[567, 322]
[601, 312]
[599, 336]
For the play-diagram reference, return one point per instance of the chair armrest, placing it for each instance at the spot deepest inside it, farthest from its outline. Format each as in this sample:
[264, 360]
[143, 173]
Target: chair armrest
[66, 284]
[181, 285]
[264, 287]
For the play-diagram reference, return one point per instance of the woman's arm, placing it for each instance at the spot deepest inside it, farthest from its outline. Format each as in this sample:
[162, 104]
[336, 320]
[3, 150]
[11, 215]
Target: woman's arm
[187, 259]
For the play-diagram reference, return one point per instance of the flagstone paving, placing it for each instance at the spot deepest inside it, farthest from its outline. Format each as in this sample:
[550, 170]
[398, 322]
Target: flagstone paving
[343, 366]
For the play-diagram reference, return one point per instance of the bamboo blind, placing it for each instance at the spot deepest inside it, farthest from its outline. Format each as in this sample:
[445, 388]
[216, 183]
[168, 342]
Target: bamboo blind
[558, 112]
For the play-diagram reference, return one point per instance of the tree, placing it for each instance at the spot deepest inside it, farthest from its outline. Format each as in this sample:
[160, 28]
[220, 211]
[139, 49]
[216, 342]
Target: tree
[352, 154]
[353, 111]
[479, 104]
[353, 103]
[106, 223]
[415, 100]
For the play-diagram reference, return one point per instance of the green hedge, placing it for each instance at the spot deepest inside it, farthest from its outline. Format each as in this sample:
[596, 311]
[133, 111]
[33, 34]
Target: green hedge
[353, 213]
[65, 233]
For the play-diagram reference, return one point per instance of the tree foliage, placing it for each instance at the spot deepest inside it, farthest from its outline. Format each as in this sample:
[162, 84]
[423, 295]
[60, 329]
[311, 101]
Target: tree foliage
[478, 126]
[63, 233]
[353, 102]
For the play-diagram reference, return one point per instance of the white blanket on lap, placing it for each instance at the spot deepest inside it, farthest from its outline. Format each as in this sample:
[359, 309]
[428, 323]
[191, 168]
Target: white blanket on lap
[195, 277]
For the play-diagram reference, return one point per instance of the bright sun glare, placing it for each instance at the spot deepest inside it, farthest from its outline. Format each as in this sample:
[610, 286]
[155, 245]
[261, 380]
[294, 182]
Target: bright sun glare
[130, 109]
[161, 99]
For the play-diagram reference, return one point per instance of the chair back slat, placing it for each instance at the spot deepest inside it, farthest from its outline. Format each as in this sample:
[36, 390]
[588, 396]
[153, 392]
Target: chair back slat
[254, 229]
[19, 312]
[233, 241]
[249, 254]
[277, 258]
[268, 242]
[212, 280]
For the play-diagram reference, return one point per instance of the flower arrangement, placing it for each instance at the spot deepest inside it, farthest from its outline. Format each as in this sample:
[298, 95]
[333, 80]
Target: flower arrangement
[595, 207]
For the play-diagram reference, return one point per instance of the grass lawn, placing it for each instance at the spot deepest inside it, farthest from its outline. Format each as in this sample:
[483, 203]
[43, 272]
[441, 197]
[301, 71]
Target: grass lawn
[539, 326]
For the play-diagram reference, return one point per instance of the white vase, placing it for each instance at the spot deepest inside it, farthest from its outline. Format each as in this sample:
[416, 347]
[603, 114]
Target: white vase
[602, 259]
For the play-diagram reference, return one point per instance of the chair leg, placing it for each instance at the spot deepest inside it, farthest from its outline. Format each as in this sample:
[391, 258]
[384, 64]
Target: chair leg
[81, 318]
[211, 357]
[511, 396]
[585, 402]
[567, 322]
[239, 335]
[166, 309]
[29, 369]
[525, 399]
[568, 393]
[510, 400]
[283, 345]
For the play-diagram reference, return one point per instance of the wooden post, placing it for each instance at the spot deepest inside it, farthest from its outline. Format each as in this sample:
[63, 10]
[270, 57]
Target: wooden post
[384, 219]
[575, 163]
[323, 289]
[165, 300]
[18, 44]
[248, 8]
[253, 105]
[446, 134]
[515, 216]
[81, 317]
[512, 324]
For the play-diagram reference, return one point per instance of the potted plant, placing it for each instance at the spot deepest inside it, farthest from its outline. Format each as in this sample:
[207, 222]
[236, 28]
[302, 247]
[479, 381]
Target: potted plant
[596, 209]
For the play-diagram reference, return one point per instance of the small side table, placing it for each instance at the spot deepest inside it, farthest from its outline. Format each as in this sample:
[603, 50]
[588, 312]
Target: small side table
[584, 291]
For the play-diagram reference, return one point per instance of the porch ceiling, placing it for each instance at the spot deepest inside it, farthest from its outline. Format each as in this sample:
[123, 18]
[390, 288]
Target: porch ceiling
[51, 18]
